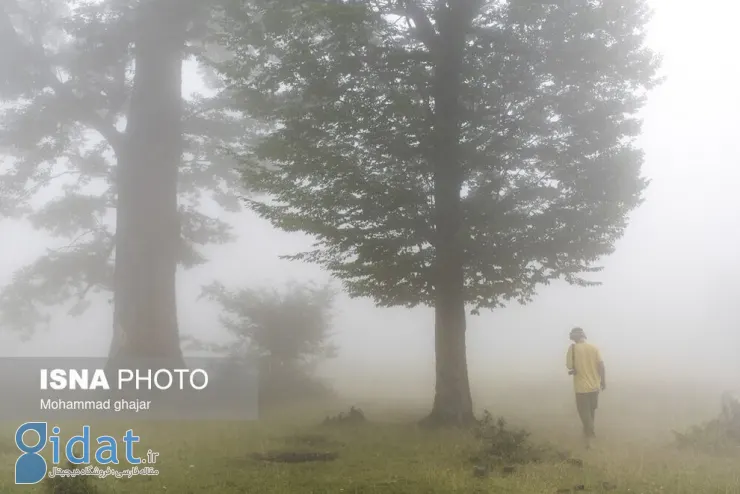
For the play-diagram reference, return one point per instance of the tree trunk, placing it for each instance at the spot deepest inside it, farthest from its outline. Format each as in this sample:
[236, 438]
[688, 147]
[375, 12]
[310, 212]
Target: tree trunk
[453, 405]
[148, 230]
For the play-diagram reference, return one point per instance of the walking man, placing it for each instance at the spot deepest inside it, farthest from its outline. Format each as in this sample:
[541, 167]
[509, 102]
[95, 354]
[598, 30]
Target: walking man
[589, 377]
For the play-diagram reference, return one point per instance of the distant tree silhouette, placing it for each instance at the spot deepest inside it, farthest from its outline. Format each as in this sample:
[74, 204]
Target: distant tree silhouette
[288, 332]
[105, 155]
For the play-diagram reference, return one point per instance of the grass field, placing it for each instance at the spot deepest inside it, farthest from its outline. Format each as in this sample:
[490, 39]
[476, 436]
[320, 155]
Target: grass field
[389, 454]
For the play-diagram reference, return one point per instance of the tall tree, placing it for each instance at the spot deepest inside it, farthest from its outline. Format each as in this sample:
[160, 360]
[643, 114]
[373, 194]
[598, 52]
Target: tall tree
[147, 223]
[446, 153]
[100, 140]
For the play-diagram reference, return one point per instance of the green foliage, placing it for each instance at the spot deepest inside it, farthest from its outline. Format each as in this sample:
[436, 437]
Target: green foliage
[548, 173]
[65, 89]
[499, 443]
[354, 416]
[292, 326]
[289, 332]
[713, 437]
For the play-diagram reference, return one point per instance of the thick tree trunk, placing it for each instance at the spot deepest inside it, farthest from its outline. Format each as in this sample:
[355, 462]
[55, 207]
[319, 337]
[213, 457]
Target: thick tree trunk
[148, 231]
[452, 401]
[453, 405]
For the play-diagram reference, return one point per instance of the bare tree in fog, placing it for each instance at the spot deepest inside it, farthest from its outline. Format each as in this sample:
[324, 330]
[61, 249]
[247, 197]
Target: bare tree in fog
[97, 131]
[446, 153]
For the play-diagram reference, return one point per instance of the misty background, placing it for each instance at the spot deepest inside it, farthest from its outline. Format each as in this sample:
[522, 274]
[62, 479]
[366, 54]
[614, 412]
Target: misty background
[664, 313]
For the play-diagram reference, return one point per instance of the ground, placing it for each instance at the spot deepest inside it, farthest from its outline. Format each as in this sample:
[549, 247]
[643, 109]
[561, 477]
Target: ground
[389, 454]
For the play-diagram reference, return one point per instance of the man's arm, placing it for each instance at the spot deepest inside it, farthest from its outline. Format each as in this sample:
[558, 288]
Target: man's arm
[569, 358]
[602, 374]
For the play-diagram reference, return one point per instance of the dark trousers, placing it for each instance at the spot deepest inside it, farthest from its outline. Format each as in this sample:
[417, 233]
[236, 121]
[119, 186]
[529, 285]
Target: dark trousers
[587, 403]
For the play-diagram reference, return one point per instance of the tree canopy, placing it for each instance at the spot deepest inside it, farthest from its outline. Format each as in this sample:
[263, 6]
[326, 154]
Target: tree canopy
[548, 165]
[290, 326]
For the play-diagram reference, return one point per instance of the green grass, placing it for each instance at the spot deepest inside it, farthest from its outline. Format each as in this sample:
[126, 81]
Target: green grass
[389, 454]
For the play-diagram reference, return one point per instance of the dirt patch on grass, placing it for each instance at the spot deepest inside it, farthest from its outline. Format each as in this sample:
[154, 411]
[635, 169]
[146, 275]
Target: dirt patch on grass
[296, 456]
[312, 441]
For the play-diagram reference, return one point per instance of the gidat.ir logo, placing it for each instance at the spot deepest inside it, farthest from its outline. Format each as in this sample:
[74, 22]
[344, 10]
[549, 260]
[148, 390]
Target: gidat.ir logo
[32, 437]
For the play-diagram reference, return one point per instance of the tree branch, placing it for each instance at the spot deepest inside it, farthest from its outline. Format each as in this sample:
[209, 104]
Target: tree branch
[423, 27]
[87, 116]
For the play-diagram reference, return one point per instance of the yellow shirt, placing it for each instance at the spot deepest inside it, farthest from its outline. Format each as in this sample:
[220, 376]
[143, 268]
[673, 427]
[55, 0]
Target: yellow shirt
[587, 360]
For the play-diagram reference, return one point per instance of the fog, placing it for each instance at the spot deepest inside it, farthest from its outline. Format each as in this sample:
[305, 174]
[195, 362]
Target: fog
[663, 315]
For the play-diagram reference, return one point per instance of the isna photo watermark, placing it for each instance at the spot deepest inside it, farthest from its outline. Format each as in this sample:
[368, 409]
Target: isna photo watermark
[32, 438]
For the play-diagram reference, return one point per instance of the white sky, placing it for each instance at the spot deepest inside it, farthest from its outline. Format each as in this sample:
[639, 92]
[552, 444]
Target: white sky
[665, 306]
